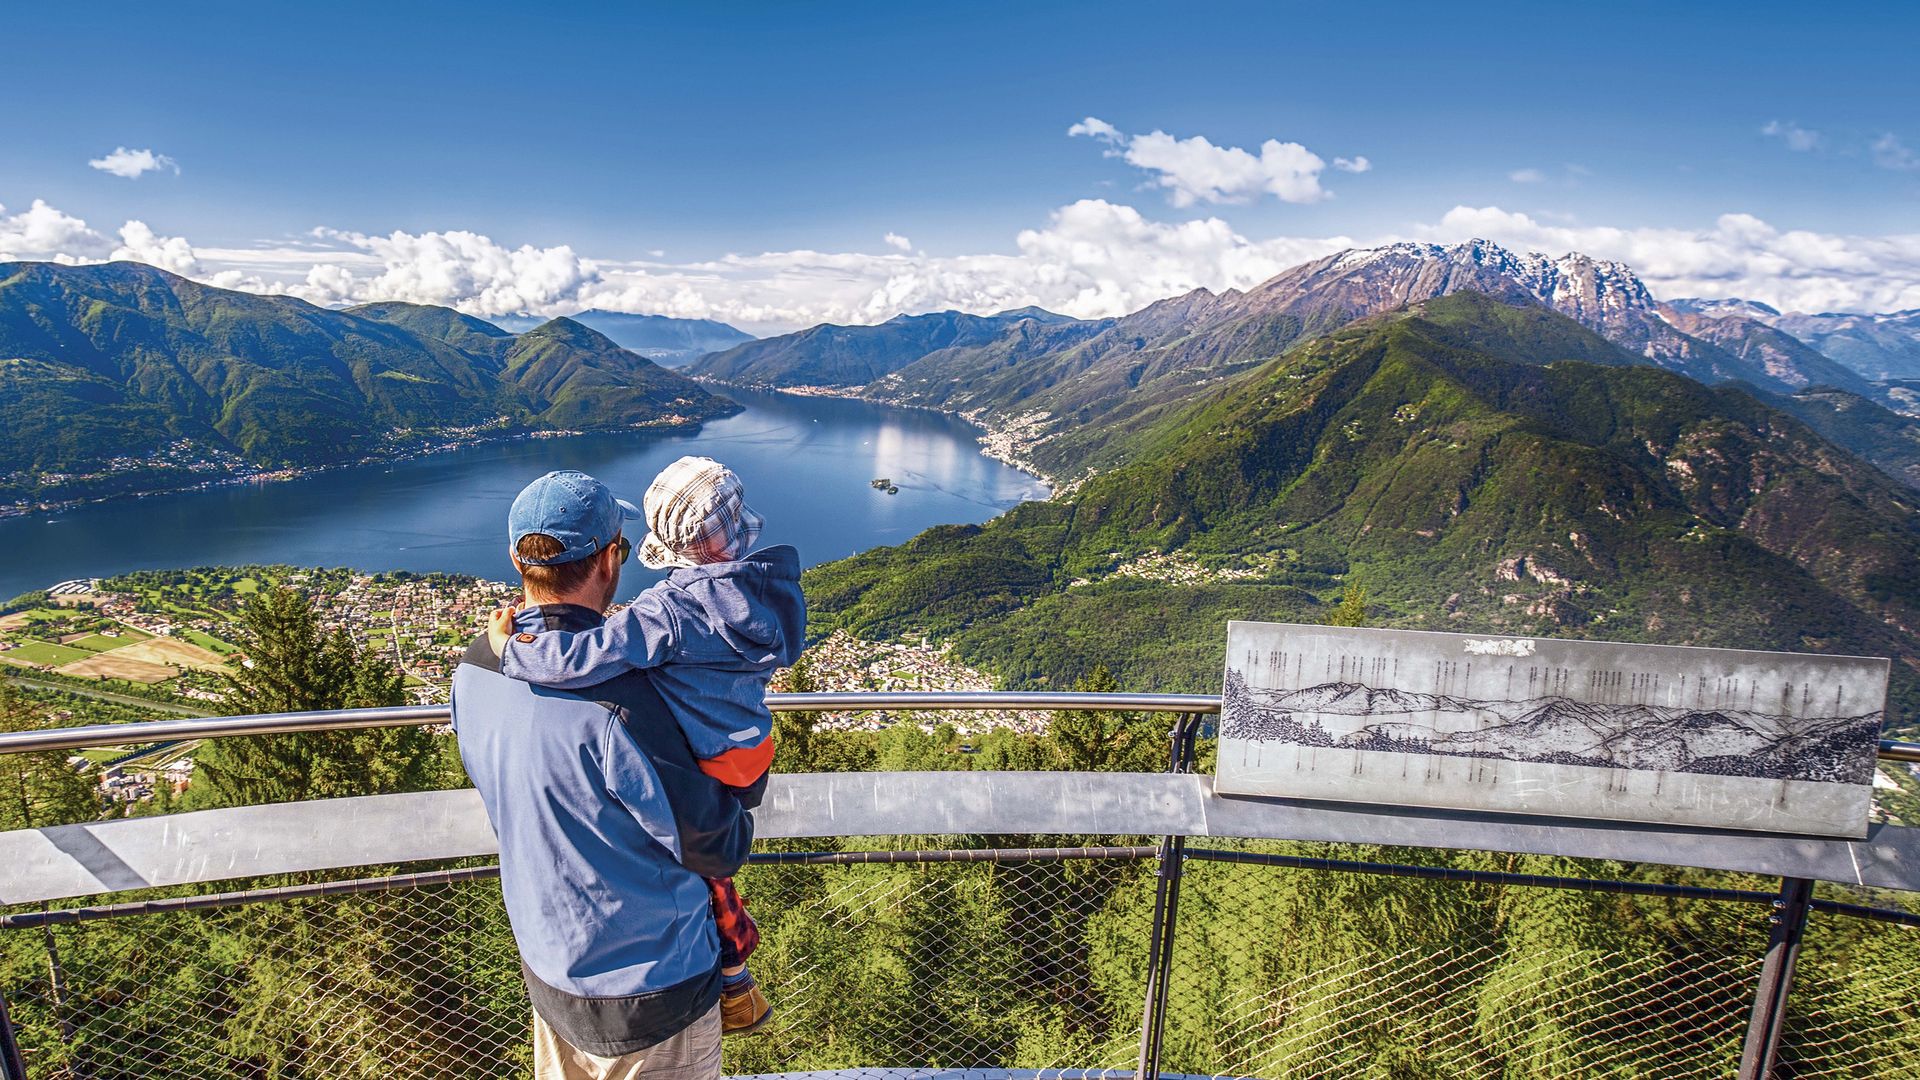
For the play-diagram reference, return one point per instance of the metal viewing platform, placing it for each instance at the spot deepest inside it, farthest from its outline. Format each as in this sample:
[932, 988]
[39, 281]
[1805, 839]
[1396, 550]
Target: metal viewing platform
[983, 924]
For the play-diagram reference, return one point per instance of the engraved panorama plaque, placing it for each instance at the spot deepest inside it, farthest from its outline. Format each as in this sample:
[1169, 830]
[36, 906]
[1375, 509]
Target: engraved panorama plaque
[1723, 738]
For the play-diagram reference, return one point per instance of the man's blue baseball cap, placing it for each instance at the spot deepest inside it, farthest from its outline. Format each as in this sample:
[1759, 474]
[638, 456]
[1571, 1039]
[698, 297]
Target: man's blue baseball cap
[571, 507]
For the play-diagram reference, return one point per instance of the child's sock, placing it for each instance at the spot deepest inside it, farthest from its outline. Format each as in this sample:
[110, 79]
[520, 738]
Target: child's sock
[737, 983]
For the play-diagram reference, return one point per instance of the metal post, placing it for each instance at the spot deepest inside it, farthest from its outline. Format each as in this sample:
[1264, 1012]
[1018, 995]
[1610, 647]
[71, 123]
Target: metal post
[1789, 922]
[1166, 908]
[11, 1063]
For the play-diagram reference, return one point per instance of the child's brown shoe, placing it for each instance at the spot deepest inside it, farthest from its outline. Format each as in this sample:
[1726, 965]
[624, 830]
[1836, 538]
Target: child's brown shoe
[744, 1011]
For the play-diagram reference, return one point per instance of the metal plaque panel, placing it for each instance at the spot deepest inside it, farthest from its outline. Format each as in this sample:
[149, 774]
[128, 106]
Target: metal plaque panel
[1722, 738]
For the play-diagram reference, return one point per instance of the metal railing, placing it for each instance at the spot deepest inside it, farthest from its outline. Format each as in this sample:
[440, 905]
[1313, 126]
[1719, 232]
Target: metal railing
[1254, 958]
[210, 727]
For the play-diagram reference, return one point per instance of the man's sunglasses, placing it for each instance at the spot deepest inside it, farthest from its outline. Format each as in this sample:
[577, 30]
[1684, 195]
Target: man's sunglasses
[624, 546]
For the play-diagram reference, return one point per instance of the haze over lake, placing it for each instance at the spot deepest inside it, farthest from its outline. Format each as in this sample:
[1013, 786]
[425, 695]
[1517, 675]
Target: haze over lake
[806, 462]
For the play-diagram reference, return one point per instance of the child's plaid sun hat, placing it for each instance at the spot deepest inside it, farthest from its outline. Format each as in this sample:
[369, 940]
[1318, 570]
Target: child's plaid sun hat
[696, 514]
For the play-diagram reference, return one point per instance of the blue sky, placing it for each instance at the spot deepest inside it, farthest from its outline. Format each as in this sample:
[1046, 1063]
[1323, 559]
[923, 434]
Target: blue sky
[611, 132]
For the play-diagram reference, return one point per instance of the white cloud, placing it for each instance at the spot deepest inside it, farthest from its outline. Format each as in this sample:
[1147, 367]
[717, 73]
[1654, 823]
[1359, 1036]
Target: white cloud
[139, 243]
[1097, 128]
[1194, 170]
[1091, 258]
[131, 163]
[458, 269]
[1795, 136]
[1738, 255]
[1527, 176]
[897, 242]
[1890, 153]
[41, 232]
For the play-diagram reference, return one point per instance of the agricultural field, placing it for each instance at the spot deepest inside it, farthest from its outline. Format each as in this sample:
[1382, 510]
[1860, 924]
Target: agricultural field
[44, 653]
[167, 635]
[78, 640]
[101, 642]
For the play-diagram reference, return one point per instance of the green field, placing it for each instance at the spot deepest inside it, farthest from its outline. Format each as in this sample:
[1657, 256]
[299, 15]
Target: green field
[102, 643]
[208, 641]
[45, 652]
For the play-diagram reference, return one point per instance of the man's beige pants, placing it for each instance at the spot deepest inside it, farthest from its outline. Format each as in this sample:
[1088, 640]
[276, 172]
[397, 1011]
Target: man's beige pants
[693, 1054]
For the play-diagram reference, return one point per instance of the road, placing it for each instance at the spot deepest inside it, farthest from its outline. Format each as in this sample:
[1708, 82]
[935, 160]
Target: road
[107, 695]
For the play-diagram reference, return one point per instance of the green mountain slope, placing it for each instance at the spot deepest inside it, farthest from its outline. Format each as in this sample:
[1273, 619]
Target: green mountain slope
[576, 377]
[1428, 457]
[829, 355]
[1882, 436]
[665, 340]
[109, 362]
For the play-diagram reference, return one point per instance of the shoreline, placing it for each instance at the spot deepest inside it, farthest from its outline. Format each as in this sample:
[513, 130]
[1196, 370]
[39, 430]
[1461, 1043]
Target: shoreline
[301, 472]
[997, 443]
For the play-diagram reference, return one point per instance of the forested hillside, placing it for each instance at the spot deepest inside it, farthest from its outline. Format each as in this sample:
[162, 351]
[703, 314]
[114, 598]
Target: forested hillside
[99, 363]
[1469, 466]
[829, 355]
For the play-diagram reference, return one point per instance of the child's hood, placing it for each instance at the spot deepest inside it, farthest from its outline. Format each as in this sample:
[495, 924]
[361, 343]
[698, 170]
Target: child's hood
[753, 604]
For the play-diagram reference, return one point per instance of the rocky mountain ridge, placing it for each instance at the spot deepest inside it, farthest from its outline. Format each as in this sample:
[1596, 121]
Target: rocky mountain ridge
[1880, 347]
[1070, 396]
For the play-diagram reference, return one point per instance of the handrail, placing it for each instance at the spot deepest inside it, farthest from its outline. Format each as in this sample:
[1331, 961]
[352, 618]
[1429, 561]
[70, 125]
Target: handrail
[148, 731]
[92, 735]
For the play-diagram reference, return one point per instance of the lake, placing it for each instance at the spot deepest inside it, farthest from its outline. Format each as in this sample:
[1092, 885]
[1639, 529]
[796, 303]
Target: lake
[806, 462]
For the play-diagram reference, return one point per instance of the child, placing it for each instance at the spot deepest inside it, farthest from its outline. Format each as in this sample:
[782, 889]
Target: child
[711, 636]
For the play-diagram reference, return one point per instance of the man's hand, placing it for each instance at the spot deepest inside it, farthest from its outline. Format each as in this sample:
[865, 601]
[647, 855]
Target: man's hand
[500, 627]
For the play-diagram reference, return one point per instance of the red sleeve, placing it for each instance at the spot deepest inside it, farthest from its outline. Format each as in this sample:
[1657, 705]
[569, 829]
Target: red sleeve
[741, 766]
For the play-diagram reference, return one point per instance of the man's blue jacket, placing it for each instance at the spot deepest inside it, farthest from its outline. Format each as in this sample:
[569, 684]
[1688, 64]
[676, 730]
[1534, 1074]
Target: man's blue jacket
[607, 827]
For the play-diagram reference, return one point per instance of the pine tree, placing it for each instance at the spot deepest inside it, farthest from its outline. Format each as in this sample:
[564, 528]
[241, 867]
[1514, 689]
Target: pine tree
[793, 750]
[39, 789]
[1352, 609]
[1087, 741]
[295, 665]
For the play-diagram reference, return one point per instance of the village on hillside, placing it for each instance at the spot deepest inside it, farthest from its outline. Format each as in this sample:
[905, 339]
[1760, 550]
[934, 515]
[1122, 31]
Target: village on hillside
[168, 634]
[153, 643]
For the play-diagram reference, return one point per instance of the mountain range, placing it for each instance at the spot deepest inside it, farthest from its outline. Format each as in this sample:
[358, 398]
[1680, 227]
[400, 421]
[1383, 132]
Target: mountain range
[1474, 466]
[103, 366]
[1075, 390]
[663, 339]
[1878, 347]
[1557, 729]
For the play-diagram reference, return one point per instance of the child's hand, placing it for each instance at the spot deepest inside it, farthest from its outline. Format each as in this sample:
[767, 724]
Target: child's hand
[500, 627]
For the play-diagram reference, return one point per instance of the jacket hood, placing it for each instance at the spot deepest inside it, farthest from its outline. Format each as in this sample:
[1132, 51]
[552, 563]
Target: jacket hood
[753, 604]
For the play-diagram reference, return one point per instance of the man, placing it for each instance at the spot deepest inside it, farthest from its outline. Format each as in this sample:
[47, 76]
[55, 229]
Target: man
[607, 825]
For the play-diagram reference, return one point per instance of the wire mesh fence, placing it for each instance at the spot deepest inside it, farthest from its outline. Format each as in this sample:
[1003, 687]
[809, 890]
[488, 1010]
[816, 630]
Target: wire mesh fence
[1034, 964]
[1287, 972]
[872, 968]
[1854, 1010]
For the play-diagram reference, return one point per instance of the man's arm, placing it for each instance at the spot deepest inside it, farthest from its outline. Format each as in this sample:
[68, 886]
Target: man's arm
[644, 635]
[713, 829]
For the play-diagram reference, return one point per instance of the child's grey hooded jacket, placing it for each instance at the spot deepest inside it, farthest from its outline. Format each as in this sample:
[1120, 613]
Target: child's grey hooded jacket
[709, 637]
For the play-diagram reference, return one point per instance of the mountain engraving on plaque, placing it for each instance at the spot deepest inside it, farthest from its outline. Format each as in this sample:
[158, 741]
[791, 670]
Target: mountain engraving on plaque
[1775, 741]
